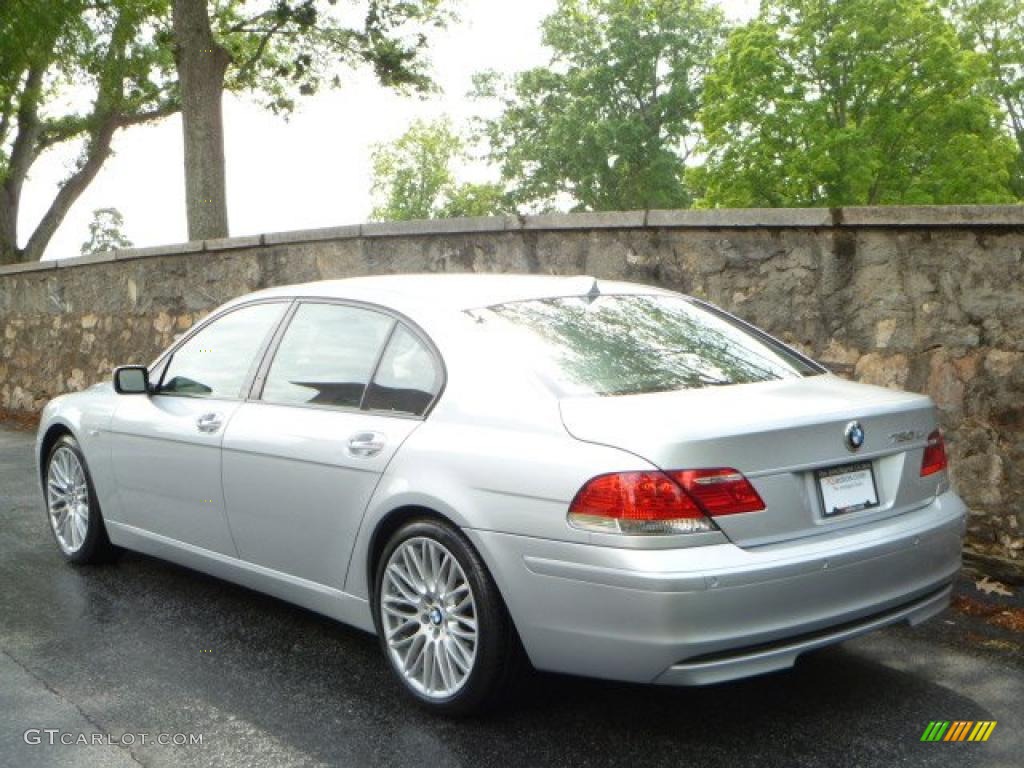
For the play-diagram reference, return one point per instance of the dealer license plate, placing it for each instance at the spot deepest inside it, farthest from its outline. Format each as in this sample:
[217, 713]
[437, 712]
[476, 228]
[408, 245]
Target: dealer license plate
[849, 488]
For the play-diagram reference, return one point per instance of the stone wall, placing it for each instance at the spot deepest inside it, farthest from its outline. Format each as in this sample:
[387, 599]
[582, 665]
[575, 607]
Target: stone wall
[930, 299]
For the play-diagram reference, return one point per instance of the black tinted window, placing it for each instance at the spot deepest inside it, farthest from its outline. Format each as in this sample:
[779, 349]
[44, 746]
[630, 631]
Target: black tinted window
[216, 360]
[327, 355]
[628, 344]
[408, 377]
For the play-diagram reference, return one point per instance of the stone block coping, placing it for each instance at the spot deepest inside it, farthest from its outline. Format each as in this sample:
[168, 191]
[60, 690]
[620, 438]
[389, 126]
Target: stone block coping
[946, 216]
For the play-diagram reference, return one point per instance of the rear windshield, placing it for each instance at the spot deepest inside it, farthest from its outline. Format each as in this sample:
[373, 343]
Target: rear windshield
[631, 344]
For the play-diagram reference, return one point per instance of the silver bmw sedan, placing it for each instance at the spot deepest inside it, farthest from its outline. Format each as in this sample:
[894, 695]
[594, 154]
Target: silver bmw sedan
[597, 478]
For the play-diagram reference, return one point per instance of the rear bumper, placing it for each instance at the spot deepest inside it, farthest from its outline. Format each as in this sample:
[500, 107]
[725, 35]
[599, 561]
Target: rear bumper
[713, 613]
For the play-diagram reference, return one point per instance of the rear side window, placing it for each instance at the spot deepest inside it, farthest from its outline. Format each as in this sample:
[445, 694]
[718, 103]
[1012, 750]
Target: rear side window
[631, 344]
[408, 377]
[327, 356]
[215, 362]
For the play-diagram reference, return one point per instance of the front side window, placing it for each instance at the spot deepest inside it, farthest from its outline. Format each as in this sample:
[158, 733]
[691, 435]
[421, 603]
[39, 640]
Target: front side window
[632, 344]
[327, 356]
[408, 377]
[216, 361]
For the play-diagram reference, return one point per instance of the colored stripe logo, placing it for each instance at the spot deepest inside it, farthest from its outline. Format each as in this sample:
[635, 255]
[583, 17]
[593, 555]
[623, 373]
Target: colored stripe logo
[958, 730]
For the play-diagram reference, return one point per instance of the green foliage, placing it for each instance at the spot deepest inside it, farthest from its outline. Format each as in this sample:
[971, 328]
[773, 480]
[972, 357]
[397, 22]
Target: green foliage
[995, 28]
[285, 49]
[609, 123]
[475, 199]
[819, 102]
[106, 232]
[413, 177]
[107, 50]
[73, 71]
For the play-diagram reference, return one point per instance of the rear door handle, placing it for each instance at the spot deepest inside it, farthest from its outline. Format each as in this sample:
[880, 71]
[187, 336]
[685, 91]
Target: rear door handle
[366, 444]
[209, 422]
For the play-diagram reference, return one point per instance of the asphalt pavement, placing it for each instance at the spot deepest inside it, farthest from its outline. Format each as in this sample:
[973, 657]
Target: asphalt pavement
[118, 659]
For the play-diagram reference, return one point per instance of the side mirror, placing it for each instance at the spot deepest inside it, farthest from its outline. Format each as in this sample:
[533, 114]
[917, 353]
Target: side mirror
[131, 380]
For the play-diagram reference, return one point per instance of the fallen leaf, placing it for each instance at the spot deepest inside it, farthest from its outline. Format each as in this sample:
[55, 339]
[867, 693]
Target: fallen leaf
[990, 587]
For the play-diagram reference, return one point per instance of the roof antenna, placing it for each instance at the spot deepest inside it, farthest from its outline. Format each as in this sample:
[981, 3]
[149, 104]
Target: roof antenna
[593, 293]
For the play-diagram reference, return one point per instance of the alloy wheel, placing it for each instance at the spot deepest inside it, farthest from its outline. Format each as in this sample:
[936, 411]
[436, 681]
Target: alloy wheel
[429, 617]
[67, 499]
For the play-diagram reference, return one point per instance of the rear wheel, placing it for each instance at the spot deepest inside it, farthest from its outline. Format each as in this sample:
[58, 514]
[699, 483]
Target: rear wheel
[441, 621]
[72, 507]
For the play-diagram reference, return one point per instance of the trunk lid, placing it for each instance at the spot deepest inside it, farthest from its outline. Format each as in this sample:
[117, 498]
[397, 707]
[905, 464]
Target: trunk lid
[778, 434]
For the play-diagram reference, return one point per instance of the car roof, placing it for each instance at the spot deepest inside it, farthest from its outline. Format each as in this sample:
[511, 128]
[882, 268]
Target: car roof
[449, 292]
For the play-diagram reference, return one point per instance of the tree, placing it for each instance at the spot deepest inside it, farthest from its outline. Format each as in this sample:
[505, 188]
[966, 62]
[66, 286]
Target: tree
[995, 28]
[279, 50]
[414, 178]
[202, 64]
[818, 102]
[109, 52]
[611, 121]
[476, 199]
[106, 232]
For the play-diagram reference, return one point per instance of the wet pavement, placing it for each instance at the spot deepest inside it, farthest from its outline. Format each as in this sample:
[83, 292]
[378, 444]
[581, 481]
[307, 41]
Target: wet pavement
[143, 650]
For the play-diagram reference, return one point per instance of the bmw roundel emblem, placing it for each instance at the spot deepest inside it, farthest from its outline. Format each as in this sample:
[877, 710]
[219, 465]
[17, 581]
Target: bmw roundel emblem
[854, 435]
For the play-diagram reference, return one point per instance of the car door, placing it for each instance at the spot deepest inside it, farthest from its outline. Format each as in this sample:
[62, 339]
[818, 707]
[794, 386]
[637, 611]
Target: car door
[166, 447]
[342, 389]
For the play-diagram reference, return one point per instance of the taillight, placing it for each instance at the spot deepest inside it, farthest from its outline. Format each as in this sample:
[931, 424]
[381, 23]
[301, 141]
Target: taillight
[720, 491]
[934, 459]
[661, 502]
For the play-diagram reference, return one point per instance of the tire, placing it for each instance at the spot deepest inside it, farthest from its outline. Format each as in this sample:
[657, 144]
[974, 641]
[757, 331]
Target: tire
[465, 676]
[72, 508]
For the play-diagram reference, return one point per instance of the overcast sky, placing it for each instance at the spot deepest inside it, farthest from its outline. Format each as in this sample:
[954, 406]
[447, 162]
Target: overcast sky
[311, 171]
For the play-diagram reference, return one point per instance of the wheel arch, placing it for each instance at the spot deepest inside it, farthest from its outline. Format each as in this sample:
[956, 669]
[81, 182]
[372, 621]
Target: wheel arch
[53, 433]
[385, 525]
[385, 528]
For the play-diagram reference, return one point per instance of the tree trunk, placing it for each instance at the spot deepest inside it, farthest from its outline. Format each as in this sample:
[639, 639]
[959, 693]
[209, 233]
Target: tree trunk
[96, 154]
[8, 230]
[201, 64]
[22, 155]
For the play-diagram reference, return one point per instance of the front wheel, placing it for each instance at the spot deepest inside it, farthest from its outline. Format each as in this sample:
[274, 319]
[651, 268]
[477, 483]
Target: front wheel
[441, 621]
[72, 507]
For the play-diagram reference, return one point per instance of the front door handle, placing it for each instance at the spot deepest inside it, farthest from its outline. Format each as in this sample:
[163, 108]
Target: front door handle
[209, 423]
[366, 444]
